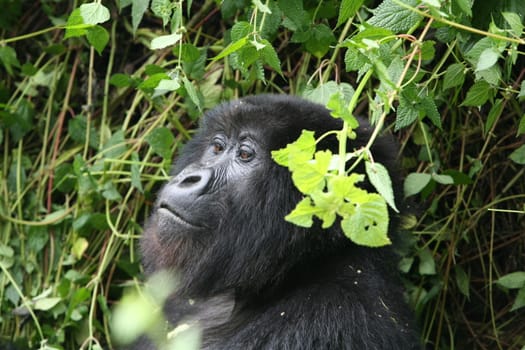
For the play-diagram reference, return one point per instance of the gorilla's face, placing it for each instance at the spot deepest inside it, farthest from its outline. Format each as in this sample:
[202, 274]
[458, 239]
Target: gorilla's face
[196, 200]
[226, 202]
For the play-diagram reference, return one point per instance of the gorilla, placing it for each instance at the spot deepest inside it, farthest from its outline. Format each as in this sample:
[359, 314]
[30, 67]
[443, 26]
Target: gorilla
[247, 277]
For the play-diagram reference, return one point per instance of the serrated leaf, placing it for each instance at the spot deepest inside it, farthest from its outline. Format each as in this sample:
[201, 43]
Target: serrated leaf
[380, 179]
[429, 107]
[98, 37]
[162, 9]
[390, 15]
[477, 95]
[348, 9]
[165, 41]
[160, 141]
[415, 182]
[94, 13]
[269, 56]
[518, 156]
[454, 76]
[367, 223]
[297, 152]
[512, 280]
[192, 92]
[303, 213]
[494, 113]
[240, 30]
[487, 59]
[309, 176]
[407, 113]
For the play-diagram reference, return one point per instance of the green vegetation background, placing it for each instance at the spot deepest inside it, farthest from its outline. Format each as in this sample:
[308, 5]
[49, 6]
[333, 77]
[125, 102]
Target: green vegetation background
[97, 97]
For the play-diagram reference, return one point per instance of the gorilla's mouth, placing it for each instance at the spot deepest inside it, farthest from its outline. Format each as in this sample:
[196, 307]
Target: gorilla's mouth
[171, 213]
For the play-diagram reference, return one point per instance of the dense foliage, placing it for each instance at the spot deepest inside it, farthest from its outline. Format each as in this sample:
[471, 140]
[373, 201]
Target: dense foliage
[97, 97]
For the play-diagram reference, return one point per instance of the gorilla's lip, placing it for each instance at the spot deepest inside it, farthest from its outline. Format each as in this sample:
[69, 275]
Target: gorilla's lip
[175, 216]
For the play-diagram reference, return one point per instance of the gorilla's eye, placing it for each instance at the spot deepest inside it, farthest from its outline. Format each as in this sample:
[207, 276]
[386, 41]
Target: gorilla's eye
[246, 153]
[217, 145]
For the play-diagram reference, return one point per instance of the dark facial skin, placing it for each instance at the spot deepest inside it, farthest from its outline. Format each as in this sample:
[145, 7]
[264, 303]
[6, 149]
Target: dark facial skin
[254, 280]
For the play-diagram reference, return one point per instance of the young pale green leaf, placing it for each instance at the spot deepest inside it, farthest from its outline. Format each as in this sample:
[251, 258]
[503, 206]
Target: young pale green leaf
[487, 59]
[454, 76]
[322, 93]
[477, 95]
[518, 156]
[379, 177]
[160, 141]
[79, 247]
[309, 176]
[166, 85]
[390, 15]
[520, 300]
[163, 41]
[328, 204]
[415, 182]
[512, 280]
[297, 152]
[75, 25]
[367, 222]
[347, 9]
[303, 213]
[163, 9]
[98, 37]
[233, 47]
[94, 13]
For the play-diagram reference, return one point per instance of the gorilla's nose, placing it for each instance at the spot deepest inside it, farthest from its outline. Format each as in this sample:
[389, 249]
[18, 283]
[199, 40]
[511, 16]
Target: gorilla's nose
[188, 185]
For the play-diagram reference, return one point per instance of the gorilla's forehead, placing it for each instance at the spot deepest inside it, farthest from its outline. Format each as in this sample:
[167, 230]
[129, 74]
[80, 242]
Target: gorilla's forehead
[272, 119]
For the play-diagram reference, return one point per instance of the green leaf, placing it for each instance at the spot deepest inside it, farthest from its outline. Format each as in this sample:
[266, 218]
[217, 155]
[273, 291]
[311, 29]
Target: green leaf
[261, 7]
[443, 179]
[192, 92]
[428, 105]
[427, 265]
[110, 192]
[160, 141]
[463, 281]
[163, 9]
[407, 113]
[45, 304]
[120, 80]
[79, 247]
[240, 30]
[415, 182]
[520, 300]
[233, 47]
[163, 41]
[297, 152]
[320, 40]
[75, 25]
[514, 21]
[8, 58]
[347, 9]
[379, 177]
[138, 8]
[390, 15]
[166, 85]
[512, 280]
[367, 223]
[521, 126]
[487, 59]
[477, 95]
[94, 13]
[309, 176]
[454, 76]
[98, 37]
[269, 56]
[322, 93]
[302, 214]
[494, 113]
[518, 156]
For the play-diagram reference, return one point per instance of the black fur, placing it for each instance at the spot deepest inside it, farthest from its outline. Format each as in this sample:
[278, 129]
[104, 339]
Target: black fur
[256, 281]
